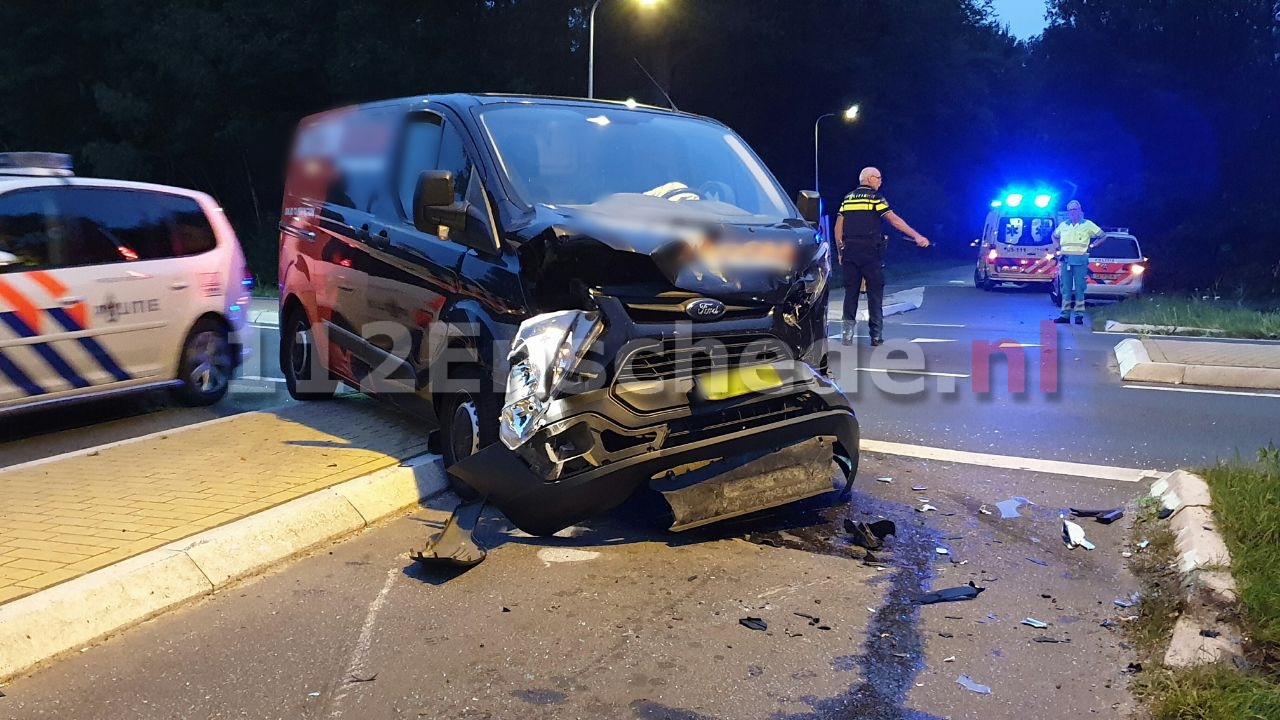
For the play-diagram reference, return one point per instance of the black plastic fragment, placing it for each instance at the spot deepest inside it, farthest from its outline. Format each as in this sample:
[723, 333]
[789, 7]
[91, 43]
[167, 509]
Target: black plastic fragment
[953, 594]
[1209, 633]
[1111, 516]
[869, 535]
[753, 623]
[456, 544]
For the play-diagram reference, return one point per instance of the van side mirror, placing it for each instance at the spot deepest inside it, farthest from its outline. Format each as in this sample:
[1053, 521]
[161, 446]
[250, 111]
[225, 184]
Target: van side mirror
[434, 191]
[808, 202]
[7, 259]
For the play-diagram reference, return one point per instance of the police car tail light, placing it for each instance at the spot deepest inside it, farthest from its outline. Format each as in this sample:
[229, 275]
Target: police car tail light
[1137, 269]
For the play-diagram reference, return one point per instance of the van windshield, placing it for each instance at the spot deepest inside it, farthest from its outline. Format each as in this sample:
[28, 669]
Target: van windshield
[1026, 231]
[579, 156]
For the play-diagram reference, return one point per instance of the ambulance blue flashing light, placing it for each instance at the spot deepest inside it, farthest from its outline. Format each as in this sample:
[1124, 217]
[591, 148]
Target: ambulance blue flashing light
[1013, 199]
[996, 203]
[1042, 201]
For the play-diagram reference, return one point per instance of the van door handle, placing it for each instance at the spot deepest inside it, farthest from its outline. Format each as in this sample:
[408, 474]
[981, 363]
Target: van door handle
[380, 241]
[180, 285]
[362, 233]
[70, 300]
[346, 288]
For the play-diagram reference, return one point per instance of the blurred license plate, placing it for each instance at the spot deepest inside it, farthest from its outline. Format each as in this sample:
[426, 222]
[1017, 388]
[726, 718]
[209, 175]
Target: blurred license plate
[733, 382]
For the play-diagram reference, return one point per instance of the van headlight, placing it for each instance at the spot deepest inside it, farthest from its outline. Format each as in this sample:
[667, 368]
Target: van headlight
[546, 350]
[818, 273]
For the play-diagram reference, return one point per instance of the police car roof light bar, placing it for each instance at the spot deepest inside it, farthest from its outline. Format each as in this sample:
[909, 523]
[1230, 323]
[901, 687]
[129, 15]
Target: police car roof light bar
[46, 164]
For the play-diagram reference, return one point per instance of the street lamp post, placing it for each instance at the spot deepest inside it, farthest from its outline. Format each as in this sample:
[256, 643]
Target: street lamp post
[591, 52]
[849, 115]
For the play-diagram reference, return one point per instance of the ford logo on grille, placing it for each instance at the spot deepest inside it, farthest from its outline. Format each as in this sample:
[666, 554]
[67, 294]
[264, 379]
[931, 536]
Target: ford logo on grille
[704, 309]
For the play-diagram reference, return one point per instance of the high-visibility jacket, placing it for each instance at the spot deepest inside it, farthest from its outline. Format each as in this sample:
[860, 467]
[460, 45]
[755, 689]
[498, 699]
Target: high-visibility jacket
[1074, 239]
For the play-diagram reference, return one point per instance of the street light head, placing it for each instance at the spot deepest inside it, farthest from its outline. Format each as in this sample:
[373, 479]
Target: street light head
[851, 114]
[647, 3]
[631, 104]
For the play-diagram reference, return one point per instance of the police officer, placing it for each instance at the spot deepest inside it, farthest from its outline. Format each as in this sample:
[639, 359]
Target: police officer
[861, 249]
[1075, 236]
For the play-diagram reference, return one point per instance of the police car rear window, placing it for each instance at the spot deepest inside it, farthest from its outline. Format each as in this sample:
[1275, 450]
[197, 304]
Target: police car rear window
[1116, 248]
[74, 226]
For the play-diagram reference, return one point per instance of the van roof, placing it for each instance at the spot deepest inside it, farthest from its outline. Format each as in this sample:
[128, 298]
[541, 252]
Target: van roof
[460, 101]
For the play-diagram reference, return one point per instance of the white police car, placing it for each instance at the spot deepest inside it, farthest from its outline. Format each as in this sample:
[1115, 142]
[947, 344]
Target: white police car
[109, 287]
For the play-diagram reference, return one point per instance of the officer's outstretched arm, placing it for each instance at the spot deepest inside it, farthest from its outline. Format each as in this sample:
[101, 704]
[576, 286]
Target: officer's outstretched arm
[906, 229]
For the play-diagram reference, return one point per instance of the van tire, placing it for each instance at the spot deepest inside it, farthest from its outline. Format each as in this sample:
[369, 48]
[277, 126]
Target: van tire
[981, 281]
[468, 422]
[298, 361]
[206, 365]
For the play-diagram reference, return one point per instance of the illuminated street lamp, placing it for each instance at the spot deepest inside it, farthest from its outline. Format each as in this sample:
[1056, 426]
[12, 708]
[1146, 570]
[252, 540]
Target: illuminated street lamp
[591, 52]
[849, 115]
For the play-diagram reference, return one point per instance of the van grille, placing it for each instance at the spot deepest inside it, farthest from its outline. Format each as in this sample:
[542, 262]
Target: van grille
[684, 358]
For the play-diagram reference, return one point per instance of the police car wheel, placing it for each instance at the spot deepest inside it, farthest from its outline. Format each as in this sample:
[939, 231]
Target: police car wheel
[299, 363]
[468, 422]
[206, 366]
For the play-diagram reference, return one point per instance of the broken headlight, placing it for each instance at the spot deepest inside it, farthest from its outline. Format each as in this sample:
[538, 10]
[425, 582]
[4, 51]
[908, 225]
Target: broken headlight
[816, 275]
[545, 353]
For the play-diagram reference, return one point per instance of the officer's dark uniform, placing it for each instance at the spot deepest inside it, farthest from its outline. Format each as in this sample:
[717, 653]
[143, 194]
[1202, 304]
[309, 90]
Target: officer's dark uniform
[863, 257]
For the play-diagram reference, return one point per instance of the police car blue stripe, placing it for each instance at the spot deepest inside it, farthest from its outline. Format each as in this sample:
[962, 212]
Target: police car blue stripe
[50, 355]
[19, 378]
[93, 347]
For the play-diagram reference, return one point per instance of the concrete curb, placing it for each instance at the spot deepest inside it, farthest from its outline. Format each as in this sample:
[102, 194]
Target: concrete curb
[1113, 326]
[1136, 365]
[41, 626]
[1204, 564]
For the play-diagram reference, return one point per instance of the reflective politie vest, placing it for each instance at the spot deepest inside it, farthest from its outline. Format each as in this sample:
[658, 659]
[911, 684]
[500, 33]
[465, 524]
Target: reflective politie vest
[1075, 239]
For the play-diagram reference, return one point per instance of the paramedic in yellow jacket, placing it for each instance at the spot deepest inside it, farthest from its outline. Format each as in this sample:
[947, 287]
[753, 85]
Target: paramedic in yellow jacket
[1076, 237]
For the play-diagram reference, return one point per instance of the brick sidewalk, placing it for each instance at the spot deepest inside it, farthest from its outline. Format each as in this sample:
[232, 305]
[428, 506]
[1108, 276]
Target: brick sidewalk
[67, 517]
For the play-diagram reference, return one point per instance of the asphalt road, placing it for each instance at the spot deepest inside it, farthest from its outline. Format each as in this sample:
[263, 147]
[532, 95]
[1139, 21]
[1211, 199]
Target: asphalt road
[1091, 417]
[624, 620]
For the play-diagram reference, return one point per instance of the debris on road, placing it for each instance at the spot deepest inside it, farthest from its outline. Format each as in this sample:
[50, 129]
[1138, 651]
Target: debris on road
[983, 509]
[1073, 535]
[942, 551]
[1132, 669]
[1009, 508]
[1041, 563]
[358, 679]
[919, 488]
[1123, 603]
[1037, 624]
[886, 480]
[1143, 545]
[969, 684]
[953, 594]
[1106, 517]
[869, 535]
[950, 659]
[455, 545]
[926, 508]
[1047, 639]
[753, 623]
[1203, 633]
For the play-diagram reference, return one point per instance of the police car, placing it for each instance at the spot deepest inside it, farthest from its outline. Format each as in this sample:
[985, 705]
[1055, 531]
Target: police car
[1117, 269]
[109, 287]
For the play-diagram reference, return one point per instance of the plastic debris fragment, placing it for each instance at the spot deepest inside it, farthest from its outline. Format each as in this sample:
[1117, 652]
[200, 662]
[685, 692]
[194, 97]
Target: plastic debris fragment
[1073, 535]
[925, 508]
[953, 594]
[969, 684]
[1037, 624]
[1009, 508]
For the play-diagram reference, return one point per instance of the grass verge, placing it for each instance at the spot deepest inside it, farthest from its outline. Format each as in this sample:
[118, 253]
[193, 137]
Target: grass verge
[1235, 319]
[1246, 500]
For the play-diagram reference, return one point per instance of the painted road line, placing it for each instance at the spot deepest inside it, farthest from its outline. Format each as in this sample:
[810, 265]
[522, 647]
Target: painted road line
[1018, 345]
[1203, 391]
[1052, 467]
[913, 372]
[259, 378]
[931, 325]
[929, 340]
[127, 441]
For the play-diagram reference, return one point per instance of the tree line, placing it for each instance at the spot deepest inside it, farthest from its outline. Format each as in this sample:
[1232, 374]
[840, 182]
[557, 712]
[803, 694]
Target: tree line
[1159, 116]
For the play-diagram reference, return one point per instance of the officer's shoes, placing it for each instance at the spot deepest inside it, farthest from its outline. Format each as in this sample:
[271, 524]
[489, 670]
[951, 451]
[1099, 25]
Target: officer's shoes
[877, 341]
[1079, 320]
[1062, 320]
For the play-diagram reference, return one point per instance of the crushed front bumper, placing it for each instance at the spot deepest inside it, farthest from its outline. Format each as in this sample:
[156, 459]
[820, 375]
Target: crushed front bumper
[617, 448]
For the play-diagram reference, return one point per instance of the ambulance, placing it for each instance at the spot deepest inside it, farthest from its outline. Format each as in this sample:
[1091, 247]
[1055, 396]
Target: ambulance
[1017, 244]
[110, 287]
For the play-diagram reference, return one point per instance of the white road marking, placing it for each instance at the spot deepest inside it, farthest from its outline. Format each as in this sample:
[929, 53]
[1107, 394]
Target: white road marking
[932, 325]
[259, 378]
[127, 441]
[837, 336]
[263, 326]
[929, 340]
[957, 282]
[913, 372]
[565, 555]
[1018, 345]
[1205, 391]
[358, 654]
[1053, 467]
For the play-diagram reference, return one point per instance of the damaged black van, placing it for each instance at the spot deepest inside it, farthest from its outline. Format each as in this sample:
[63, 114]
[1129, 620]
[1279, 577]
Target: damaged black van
[581, 297]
